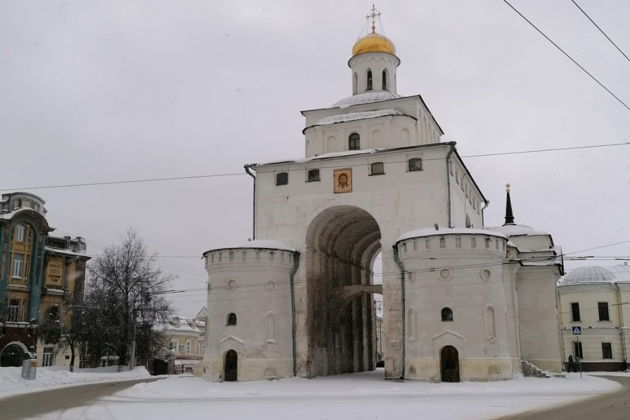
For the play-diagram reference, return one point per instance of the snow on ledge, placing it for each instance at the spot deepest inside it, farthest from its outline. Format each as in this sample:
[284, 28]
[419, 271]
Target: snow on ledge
[258, 244]
[446, 231]
[353, 116]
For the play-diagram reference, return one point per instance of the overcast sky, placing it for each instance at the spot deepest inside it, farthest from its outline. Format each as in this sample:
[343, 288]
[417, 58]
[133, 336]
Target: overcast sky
[115, 90]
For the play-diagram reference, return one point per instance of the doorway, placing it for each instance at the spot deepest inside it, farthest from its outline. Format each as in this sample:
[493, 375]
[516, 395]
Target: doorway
[231, 366]
[449, 364]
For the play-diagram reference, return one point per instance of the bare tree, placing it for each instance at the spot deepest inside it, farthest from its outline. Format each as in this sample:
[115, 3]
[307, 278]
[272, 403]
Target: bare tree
[125, 295]
[68, 333]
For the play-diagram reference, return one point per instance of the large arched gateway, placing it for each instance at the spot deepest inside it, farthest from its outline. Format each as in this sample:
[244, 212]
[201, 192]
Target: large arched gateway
[342, 243]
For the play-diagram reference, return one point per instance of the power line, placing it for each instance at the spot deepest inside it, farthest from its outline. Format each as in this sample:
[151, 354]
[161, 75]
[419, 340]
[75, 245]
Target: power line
[600, 29]
[568, 56]
[229, 174]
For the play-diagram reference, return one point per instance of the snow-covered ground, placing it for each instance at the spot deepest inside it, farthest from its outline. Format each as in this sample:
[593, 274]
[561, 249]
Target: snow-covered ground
[356, 396]
[11, 382]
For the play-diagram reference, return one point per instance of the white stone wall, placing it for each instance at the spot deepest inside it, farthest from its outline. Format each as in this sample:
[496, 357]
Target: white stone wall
[415, 127]
[255, 285]
[468, 274]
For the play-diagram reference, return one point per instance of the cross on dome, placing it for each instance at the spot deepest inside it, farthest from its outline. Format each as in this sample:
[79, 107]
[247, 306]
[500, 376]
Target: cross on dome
[372, 17]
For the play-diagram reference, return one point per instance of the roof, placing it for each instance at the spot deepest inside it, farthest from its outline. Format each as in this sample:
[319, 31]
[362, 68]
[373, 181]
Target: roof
[354, 116]
[518, 230]
[348, 153]
[447, 231]
[258, 244]
[366, 98]
[67, 252]
[597, 275]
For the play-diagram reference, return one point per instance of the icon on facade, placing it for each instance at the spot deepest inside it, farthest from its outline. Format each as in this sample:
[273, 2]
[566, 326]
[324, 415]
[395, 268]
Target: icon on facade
[343, 180]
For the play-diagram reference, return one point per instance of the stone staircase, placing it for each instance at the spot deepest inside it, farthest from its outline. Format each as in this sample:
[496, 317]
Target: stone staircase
[530, 369]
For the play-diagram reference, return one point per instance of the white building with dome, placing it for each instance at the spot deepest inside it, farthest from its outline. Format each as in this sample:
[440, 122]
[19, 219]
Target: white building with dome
[596, 299]
[460, 301]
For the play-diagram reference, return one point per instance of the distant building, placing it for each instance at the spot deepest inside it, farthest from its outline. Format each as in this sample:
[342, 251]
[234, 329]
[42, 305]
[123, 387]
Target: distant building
[40, 276]
[596, 299]
[184, 342]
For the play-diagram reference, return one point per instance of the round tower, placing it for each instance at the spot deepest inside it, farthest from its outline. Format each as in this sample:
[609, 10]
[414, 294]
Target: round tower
[459, 305]
[249, 326]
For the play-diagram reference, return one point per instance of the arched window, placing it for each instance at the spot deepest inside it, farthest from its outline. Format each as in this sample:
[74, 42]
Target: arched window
[447, 315]
[369, 80]
[377, 168]
[231, 319]
[282, 178]
[414, 164]
[354, 141]
[355, 83]
[384, 82]
[491, 331]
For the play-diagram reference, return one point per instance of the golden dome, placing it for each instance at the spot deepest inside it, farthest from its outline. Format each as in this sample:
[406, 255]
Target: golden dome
[373, 43]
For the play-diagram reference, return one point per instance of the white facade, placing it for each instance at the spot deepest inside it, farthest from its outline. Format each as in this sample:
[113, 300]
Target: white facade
[408, 197]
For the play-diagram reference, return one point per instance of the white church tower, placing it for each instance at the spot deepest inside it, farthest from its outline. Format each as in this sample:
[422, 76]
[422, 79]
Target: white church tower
[375, 180]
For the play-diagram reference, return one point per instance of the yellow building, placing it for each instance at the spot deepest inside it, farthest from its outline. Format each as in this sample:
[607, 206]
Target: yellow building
[40, 276]
[184, 342]
[595, 316]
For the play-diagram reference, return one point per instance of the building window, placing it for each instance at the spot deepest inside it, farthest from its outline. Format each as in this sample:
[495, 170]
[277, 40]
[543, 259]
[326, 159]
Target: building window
[18, 264]
[577, 350]
[354, 141]
[282, 178]
[13, 310]
[606, 351]
[313, 175]
[602, 308]
[575, 312]
[369, 80]
[53, 313]
[188, 348]
[414, 164]
[377, 168]
[231, 319]
[20, 233]
[447, 315]
[173, 345]
[47, 359]
[384, 81]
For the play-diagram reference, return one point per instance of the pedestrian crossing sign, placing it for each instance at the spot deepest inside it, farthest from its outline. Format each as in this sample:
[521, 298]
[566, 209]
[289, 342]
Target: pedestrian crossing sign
[576, 330]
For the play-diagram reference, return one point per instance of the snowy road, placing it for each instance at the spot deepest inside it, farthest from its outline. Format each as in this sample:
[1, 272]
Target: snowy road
[357, 396]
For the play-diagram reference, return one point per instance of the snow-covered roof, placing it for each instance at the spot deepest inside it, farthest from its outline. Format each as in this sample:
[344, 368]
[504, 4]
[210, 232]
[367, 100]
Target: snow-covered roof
[354, 116]
[518, 230]
[366, 98]
[447, 231]
[259, 244]
[66, 252]
[597, 274]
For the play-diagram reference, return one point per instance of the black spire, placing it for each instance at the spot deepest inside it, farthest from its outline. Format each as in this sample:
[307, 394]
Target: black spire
[509, 216]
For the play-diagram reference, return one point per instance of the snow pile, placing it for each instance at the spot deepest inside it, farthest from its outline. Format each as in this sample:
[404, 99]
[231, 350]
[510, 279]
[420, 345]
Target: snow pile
[11, 381]
[355, 396]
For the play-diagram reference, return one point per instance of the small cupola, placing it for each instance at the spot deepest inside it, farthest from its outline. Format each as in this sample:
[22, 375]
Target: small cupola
[373, 61]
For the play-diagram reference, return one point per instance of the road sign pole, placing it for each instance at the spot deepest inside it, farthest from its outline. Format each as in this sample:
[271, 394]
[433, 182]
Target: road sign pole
[580, 358]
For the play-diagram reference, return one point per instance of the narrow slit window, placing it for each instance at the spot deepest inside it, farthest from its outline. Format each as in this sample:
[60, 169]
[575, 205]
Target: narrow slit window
[369, 80]
[354, 141]
[231, 319]
[384, 82]
[447, 315]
